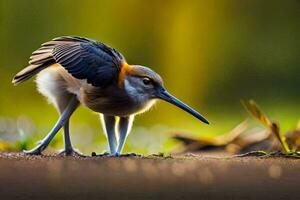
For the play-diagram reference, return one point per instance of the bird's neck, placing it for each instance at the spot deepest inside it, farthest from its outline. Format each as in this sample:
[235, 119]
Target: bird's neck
[125, 69]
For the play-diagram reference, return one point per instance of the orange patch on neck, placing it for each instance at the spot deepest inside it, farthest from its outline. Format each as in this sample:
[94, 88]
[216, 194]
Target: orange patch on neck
[125, 69]
[56, 65]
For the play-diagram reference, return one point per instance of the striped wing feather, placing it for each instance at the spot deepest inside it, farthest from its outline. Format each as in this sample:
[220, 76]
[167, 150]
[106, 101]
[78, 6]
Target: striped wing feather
[83, 58]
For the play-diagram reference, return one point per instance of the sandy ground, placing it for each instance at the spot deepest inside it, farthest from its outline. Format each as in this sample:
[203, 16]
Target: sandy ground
[201, 177]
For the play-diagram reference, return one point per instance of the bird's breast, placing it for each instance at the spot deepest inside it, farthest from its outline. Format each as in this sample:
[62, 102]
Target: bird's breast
[113, 101]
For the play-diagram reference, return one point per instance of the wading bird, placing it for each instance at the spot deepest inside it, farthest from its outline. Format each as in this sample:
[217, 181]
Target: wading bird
[76, 70]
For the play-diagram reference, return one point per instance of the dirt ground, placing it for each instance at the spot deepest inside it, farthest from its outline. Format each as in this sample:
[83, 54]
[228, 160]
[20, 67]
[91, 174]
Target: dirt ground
[196, 177]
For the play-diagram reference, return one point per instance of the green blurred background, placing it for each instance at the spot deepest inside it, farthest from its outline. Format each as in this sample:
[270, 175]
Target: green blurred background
[211, 54]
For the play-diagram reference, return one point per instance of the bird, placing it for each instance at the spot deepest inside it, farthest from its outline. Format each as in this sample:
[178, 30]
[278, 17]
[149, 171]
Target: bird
[74, 70]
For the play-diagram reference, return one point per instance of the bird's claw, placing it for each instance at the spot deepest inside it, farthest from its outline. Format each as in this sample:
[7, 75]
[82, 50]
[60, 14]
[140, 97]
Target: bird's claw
[71, 152]
[34, 151]
[117, 155]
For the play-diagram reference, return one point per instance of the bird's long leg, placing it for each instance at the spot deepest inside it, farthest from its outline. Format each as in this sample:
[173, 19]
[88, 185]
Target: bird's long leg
[62, 101]
[67, 139]
[73, 104]
[125, 125]
[109, 123]
[69, 150]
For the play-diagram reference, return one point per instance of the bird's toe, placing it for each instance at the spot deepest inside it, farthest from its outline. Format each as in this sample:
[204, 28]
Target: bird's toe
[35, 151]
[71, 152]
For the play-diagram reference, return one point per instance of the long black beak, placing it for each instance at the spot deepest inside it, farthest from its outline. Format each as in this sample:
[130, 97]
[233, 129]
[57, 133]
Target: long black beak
[166, 96]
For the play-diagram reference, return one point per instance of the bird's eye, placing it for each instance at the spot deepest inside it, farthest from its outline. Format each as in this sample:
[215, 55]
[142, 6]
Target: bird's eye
[146, 81]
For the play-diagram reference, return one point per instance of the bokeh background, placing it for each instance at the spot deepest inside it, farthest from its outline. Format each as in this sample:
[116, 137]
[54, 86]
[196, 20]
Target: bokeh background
[211, 55]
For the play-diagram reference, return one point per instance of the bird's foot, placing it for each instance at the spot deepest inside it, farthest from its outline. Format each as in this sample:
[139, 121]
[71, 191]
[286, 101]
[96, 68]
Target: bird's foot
[71, 152]
[35, 151]
[117, 155]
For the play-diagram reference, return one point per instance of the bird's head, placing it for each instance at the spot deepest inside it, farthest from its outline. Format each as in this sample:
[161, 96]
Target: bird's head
[146, 85]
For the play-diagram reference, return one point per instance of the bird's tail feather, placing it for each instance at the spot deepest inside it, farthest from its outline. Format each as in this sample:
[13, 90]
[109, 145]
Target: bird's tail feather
[39, 60]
